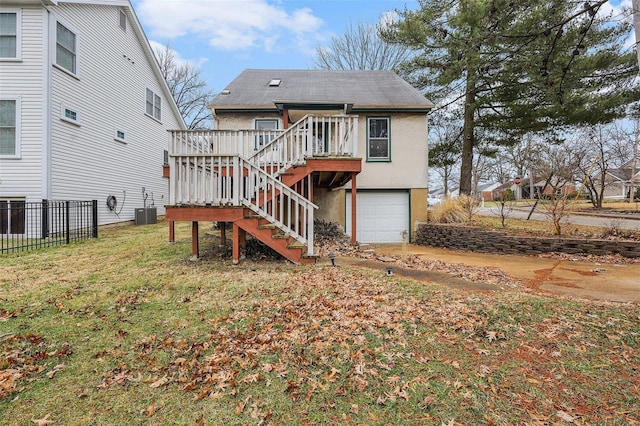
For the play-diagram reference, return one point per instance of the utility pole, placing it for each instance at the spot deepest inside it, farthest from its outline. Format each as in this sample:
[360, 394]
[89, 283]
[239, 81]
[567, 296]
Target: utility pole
[636, 25]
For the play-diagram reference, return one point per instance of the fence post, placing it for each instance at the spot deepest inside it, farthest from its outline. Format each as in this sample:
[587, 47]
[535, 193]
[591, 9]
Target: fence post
[94, 218]
[44, 231]
[67, 221]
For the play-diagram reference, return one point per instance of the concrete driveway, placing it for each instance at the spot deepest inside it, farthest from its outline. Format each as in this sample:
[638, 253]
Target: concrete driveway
[576, 278]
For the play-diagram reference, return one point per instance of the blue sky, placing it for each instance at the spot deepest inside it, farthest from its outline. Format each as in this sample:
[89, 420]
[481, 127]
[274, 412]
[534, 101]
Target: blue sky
[224, 37]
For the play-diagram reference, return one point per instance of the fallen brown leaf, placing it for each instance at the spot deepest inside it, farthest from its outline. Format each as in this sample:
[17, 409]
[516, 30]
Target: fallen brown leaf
[43, 421]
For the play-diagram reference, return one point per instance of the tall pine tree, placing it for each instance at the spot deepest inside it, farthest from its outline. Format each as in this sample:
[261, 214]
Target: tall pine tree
[518, 67]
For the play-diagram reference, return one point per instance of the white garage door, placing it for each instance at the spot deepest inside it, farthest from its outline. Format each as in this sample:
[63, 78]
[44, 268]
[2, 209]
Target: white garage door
[381, 216]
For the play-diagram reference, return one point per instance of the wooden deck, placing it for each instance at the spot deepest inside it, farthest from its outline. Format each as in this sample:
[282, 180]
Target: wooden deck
[267, 192]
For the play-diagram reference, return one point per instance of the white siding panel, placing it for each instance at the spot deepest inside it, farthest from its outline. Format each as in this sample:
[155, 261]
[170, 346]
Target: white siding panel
[87, 163]
[24, 79]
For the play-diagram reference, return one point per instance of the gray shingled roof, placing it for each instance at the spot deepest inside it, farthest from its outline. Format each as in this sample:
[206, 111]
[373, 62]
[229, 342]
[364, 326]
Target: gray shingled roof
[363, 89]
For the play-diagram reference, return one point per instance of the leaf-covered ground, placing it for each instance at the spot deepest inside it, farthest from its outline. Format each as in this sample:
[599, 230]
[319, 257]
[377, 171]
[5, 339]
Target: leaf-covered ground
[107, 333]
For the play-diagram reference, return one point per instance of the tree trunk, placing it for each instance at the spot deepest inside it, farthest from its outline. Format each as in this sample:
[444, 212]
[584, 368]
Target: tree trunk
[467, 134]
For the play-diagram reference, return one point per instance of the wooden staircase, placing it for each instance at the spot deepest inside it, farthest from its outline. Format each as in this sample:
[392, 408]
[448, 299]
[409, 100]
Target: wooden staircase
[259, 191]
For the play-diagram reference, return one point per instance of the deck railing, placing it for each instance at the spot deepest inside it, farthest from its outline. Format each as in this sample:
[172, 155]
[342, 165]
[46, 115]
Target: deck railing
[335, 135]
[239, 142]
[229, 180]
[312, 136]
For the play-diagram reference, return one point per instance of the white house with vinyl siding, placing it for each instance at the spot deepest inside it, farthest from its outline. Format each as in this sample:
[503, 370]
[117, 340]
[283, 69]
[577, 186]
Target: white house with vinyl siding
[84, 110]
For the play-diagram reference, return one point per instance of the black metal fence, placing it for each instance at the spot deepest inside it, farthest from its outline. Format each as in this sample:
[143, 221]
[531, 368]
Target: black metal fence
[30, 225]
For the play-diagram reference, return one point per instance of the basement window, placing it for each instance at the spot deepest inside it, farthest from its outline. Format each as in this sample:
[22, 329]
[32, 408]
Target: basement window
[69, 114]
[120, 136]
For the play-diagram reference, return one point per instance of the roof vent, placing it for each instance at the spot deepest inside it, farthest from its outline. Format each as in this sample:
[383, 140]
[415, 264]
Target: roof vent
[225, 92]
[275, 82]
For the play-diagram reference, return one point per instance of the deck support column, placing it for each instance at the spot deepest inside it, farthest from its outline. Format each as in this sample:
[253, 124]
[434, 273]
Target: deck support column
[236, 243]
[195, 243]
[353, 208]
[223, 233]
[172, 231]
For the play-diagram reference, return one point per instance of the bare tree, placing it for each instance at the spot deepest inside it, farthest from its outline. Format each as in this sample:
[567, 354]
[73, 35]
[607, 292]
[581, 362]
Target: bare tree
[187, 87]
[504, 208]
[361, 48]
[445, 143]
[558, 165]
[601, 148]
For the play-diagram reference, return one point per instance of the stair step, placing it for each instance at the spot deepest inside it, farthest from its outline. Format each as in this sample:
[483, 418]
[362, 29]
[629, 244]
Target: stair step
[280, 236]
[296, 245]
[268, 226]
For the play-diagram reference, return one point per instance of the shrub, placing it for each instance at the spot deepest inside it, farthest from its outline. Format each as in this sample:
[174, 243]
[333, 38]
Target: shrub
[456, 210]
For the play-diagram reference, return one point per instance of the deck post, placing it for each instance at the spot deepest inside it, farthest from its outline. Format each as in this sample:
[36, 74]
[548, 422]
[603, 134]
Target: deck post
[223, 233]
[172, 231]
[242, 243]
[236, 243]
[195, 243]
[353, 208]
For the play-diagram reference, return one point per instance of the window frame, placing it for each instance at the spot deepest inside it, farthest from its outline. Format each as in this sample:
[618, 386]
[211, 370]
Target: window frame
[117, 137]
[13, 219]
[370, 158]
[17, 126]
[156, 105]
[76, 56]
[122, 20]
[63, 114]
[18, 35]
[260, 140]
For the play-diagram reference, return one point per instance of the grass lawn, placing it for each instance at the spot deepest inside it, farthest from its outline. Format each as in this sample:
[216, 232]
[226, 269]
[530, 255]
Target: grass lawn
[126, 330]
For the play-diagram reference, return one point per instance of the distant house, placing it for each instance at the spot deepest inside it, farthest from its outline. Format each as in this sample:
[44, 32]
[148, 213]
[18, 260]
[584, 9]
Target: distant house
[84, 110]
[522, 191]
[486, 191]
[619, 181]
[351, 143]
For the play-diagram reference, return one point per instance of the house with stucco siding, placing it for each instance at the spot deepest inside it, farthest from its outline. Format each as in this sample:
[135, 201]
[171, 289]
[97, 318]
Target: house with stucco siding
[352, 143]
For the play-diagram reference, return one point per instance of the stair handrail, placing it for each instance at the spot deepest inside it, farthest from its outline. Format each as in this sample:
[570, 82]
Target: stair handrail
[300, 141]
[268, 197]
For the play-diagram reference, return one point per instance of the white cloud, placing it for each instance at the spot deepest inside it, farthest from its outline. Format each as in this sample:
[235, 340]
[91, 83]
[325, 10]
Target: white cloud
[228, 24]
[179, 60]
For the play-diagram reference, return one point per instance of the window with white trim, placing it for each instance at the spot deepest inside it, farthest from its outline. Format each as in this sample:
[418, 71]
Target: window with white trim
[66, 48]
[9, 128]
[10, 30]
[153, 105]
[12, 216]
[378, 141]
[69, 114]
[122, 20]
[120, 135]
[265, 124]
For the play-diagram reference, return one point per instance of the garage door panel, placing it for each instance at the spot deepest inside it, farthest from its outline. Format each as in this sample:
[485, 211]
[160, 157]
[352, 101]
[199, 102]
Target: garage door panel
[382, 216]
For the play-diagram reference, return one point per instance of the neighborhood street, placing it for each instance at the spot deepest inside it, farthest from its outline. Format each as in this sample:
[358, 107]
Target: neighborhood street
[603, 220]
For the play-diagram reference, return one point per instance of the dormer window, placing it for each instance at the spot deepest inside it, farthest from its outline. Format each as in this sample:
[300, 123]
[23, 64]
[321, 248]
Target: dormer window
[275, 82]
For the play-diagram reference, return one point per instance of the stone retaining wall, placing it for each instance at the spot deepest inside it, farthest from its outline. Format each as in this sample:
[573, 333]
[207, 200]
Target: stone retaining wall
[475, 239]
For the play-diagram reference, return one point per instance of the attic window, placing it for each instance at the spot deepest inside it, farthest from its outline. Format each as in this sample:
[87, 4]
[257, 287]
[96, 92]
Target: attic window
[225, 92]
[275, 82]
